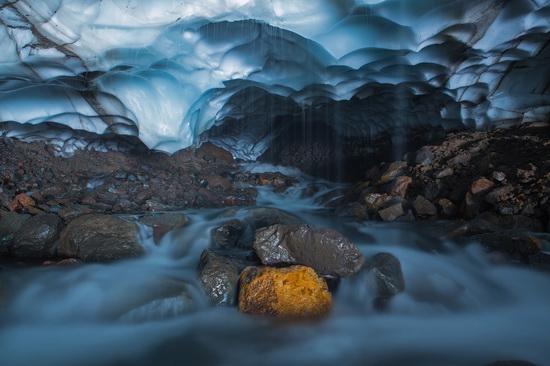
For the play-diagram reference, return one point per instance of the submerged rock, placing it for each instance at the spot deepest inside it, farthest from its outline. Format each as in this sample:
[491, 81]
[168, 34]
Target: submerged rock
[219, 277]
[99, 238]
[386, 272]
[160, 309]
[291, 292]
[37, 237]
[325, 250]
[164, 223]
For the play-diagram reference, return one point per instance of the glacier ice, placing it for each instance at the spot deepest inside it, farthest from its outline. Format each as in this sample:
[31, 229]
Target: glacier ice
[246, 73]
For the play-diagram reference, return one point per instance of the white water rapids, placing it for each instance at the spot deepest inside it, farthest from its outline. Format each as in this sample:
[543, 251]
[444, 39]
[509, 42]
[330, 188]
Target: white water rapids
[458, 308]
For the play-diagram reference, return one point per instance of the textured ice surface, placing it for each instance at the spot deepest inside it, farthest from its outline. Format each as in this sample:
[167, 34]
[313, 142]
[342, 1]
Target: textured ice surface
[237, 72]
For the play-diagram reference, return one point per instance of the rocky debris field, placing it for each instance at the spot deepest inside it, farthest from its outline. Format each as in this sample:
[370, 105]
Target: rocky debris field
[494, 186]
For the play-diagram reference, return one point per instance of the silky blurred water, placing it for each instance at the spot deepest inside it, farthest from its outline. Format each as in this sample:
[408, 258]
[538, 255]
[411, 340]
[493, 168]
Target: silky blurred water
[458, 308]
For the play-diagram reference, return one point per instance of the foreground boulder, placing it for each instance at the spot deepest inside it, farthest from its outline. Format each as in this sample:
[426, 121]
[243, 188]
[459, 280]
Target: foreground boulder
[291, 292]
[325, 250]
[10, 223]
[37, 237]
[99, 238]
[219, 277]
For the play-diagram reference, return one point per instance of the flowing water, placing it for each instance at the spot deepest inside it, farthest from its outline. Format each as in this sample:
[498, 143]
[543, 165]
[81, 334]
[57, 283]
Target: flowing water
[458, 307]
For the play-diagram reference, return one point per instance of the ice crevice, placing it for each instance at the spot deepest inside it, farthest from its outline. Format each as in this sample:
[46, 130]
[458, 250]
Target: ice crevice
[244, 73]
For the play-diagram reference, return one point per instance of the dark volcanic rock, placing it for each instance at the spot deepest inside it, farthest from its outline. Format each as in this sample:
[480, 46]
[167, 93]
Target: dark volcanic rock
[325, 250]
[37, 237]
[387, 273]
[99, 238]
[219, 277]
[10, 223]
[227, 235]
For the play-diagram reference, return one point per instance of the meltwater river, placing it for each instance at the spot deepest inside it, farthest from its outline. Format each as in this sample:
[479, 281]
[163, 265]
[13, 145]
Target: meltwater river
[458, 307]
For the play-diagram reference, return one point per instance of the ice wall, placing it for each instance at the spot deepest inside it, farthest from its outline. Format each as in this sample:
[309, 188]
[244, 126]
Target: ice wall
[81, 73]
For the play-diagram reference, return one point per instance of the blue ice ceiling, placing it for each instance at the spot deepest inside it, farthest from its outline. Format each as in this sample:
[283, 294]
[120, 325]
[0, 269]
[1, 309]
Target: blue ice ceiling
[92, 73]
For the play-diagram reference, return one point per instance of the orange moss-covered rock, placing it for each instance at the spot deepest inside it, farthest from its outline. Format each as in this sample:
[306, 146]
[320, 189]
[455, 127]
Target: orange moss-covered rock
[291, 292]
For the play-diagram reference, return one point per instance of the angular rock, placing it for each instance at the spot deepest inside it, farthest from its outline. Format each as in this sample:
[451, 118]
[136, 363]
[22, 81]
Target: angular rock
[391, 213]
[325, 250]
[227, 235]
[219, 277]
[448, 209]
[10, 223]
[481, 186]
[99, 238]
[354, 209]
[400, 186]
[472, 227]
[37, 237]
[423, 207]
[376, 201]
[424, 156]
[291, 292]
[443, 173]
[394, 170]
[21, 201]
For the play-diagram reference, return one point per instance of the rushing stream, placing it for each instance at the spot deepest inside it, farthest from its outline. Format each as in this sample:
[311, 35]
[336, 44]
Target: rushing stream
[458, 307]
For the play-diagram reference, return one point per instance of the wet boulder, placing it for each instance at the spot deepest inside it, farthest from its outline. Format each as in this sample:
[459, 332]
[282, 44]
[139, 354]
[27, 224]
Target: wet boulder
[325, 250]
[227, 234]
[37, 237]
[219, 277]
[160, 309]
[290, 292]
[100, 238]
[260, 217]
[10, 223]
[388, 276]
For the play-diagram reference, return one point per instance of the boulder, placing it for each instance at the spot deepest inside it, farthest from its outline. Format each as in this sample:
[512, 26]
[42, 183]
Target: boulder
[10, 223]
[37, 237]
[325, 250]
[100, 238]
[291, 292]
[387, 273]
[395, 170]
[227, 234]
[219, 277]
[354, 209]
[400, 186]
[264, 216]
[424, 156]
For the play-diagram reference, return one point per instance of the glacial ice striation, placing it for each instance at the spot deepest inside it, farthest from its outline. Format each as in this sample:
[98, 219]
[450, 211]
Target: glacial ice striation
[241, 73]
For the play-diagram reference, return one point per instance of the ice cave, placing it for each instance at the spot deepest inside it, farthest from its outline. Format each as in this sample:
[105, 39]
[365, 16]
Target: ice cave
[319, 89]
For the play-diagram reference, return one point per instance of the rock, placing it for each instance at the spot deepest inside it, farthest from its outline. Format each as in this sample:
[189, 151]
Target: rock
[462, 159]
[292, 292]
[423, 207]
[443, 173]
[400, 186]
[391, 213]
[481, 186]
[219, 277]
[498, 176]
[432, 189]
[21, 201]
[73, 211]
[63, 262]
[227, 235]
[448, 209]
[354, 209]
[388, 276]
[164, 223]
[37, 237]
[387, 272]
[472, 227]
[99, 238]
[376, 201]
[499, 194]
[262, 217]
[325, 250]
[10, 223]
[213, 153]
[424, 156]
[217, 181]
[511, 222]
[394, 170]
